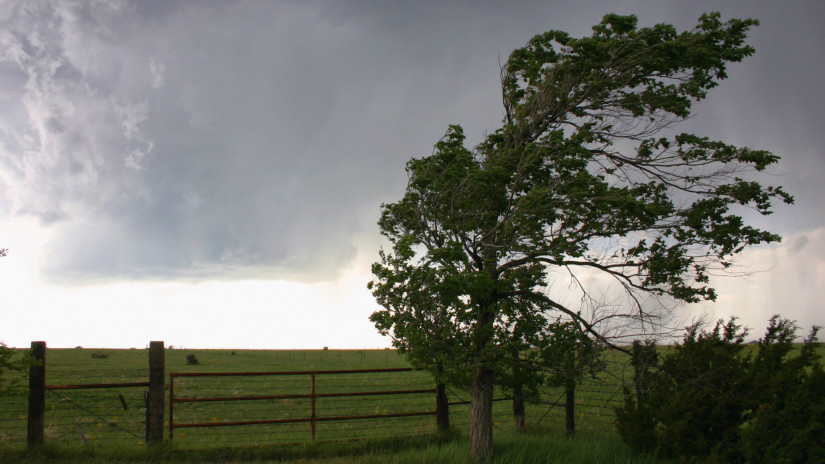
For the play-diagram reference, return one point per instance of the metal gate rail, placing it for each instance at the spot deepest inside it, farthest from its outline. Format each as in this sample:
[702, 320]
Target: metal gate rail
[312, 419]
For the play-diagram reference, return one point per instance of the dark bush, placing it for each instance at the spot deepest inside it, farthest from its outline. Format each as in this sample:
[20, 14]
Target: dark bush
[634, 421]
[710, 397]
[192, 359]
[12, 362]
[788, 424]
[99, 355]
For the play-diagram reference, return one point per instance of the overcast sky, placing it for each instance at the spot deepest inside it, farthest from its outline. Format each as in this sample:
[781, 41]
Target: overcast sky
[210, 173]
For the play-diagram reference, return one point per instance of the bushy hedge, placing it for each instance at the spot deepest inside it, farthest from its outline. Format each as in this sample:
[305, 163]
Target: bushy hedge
[12, 364]
[713, 399]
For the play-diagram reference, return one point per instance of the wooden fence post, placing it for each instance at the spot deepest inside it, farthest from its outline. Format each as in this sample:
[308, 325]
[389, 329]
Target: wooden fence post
[37, 395]
[312, 412]
[569, 408]
[156, 396]
[442, 408]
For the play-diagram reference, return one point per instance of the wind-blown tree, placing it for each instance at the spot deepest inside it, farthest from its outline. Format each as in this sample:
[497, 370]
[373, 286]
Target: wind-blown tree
[586, 175]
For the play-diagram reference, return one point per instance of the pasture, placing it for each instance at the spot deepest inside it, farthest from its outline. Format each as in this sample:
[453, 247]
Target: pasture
[111, 420]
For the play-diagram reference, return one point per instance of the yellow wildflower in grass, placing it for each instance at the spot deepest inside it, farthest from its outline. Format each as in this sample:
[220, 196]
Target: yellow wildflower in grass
[215, 419]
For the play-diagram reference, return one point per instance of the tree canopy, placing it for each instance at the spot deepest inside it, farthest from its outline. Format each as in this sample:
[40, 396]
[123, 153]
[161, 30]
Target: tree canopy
[586, 174]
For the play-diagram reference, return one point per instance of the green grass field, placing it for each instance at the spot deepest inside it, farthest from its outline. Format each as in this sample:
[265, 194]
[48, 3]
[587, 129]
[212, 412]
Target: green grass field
[109, 422]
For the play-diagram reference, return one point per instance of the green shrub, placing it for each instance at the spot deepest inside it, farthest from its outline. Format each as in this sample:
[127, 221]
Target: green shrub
[12, 365]
[788, 425]
[711, 398]
[634, 421]
[192, 359]
[99, 355]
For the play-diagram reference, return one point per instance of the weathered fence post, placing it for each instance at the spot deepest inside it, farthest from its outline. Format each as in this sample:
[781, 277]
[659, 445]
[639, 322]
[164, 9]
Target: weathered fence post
[37, 395]
[312, 412]
[442, 403]
[569, 408]
[157, 393]
[442, 408]
[518, 405]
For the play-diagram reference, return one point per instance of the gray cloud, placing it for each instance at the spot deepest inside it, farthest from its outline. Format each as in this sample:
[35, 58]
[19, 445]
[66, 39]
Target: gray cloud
[798, 244]
[187, 140]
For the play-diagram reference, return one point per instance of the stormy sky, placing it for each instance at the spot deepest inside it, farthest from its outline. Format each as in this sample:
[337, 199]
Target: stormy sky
[218, 161]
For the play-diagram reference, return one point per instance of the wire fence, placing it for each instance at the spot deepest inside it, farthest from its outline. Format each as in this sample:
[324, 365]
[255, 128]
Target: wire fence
[111, 416]
[594, 408]
[296, 408]
[13, 413]
[94, 416]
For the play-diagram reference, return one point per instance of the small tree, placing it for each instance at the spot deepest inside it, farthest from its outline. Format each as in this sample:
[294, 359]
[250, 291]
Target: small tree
[583, 176]
[569, 354]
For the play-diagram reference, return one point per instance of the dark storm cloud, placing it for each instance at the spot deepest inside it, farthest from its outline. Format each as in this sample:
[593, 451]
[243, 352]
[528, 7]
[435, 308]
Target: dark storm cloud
[252, 139]
[772, 101]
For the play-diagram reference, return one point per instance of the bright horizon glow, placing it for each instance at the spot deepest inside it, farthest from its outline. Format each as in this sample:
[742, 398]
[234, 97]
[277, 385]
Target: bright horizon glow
[258, 314]
[253, 314]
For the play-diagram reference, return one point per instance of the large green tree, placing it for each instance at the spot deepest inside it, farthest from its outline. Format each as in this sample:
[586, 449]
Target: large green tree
[586, 174]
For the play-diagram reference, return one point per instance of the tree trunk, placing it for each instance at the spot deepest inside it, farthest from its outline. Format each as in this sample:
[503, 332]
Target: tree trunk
[481, 416]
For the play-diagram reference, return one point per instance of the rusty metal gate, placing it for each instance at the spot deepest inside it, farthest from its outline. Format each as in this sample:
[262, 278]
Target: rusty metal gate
[310, 400]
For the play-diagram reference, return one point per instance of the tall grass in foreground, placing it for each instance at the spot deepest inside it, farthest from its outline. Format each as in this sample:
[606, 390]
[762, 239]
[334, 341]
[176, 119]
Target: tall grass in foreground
[535, 446]
[532, 447]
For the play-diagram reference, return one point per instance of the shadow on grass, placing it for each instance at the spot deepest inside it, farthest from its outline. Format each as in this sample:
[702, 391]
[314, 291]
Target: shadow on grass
[534, 446]
[344, 451]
